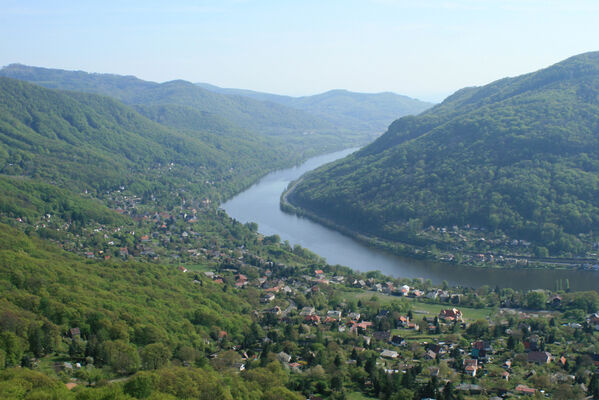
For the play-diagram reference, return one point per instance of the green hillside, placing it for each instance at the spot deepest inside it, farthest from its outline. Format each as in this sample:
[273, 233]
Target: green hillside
[519, 156]
[84, 141]
[365, 112]
[246, 113]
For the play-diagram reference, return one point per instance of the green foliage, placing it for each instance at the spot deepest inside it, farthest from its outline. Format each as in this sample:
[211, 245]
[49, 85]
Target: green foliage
[99, 298]
[23, 383]
[518, 155]
[536, 300]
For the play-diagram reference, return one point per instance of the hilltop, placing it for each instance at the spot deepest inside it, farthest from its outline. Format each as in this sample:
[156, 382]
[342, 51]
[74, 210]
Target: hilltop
[517, 158]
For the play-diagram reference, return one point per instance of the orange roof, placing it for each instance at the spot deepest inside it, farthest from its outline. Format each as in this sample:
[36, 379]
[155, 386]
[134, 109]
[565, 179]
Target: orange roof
[525, 389]
[70, 385]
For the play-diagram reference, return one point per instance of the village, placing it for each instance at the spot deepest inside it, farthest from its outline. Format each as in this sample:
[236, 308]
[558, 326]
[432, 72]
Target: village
[480, 343]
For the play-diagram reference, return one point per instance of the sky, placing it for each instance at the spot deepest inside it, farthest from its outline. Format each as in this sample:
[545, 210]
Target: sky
[425, 49]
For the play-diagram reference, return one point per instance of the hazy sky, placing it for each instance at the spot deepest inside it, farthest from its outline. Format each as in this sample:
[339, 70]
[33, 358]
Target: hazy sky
[422, 48]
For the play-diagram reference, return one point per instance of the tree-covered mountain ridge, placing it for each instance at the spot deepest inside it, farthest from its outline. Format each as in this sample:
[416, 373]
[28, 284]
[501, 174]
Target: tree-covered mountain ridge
[257, 115]
[518, 157]
[368, 112]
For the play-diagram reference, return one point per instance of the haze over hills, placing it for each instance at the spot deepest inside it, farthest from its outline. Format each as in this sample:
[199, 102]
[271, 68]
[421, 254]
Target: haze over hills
[246, 113]
[519, 156]
[367, 112]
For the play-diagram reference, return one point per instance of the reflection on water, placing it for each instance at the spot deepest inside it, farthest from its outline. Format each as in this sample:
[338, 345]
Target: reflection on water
[260, 204]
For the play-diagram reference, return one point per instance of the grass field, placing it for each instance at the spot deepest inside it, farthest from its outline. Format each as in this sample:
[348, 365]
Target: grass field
[358, 396]
[420, 307]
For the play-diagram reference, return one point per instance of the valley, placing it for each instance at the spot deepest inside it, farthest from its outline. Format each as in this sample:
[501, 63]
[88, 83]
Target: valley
[123, 278]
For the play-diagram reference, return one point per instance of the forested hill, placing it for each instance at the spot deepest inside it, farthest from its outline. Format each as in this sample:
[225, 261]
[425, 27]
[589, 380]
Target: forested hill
[246, 113]
[85, 141]
[518, 156]
[367, 112]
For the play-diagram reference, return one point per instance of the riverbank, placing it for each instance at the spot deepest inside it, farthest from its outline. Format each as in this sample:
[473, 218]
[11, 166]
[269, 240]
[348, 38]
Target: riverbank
[420, 253]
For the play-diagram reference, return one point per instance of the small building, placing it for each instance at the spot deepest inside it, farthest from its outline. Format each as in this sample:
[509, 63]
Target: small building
[451, 314]
[539, 357]
[283, 357]
[267, 297]
[334, 314]
[354, 316]
[389, 354]
[74, 333]
[523, 389]
[307, 311]
[398, 340]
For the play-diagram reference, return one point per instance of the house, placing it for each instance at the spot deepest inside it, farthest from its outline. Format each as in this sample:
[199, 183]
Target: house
[471, 366]
[239, 366]
[469, 388]
[451, 314]
[314, 319]
[389, 354]
[404, 290]
[182, 269]
[74, 333]
[123, 251]
[430, 355]
[295, 366]
[412, 325]
[276, 310]
[267, 297]
[362, 325]
[403, 321]
[523, 389]
[354, 316]
[398, 340]
[554, 301]
[307, 311]
[562, 361]
[334, 314]
[505, 375]
[539, 357]
[283, 357]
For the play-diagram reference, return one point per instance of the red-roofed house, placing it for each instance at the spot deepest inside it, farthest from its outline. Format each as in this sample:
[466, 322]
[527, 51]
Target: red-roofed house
[525, 389]
[451, 314]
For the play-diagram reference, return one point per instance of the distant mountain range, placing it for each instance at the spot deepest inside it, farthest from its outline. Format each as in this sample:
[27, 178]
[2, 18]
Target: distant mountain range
[519, 155]
[365, 112]
[341, 113]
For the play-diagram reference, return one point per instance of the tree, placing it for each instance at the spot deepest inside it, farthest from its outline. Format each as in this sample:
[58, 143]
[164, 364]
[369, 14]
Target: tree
[536, 300]
[154, 356]
[121, 356]
[593, 389]
[140, 385]
[281, 393]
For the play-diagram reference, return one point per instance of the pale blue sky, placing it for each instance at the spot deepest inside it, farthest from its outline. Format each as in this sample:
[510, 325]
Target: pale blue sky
[422, 48]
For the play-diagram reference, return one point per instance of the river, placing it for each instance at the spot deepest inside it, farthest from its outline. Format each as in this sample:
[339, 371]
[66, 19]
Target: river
[260, 204]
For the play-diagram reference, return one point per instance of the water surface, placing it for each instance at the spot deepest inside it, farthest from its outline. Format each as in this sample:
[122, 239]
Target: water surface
[260, 204]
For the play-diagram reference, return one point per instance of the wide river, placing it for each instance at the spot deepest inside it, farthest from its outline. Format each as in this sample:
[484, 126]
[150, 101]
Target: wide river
[260, 204]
